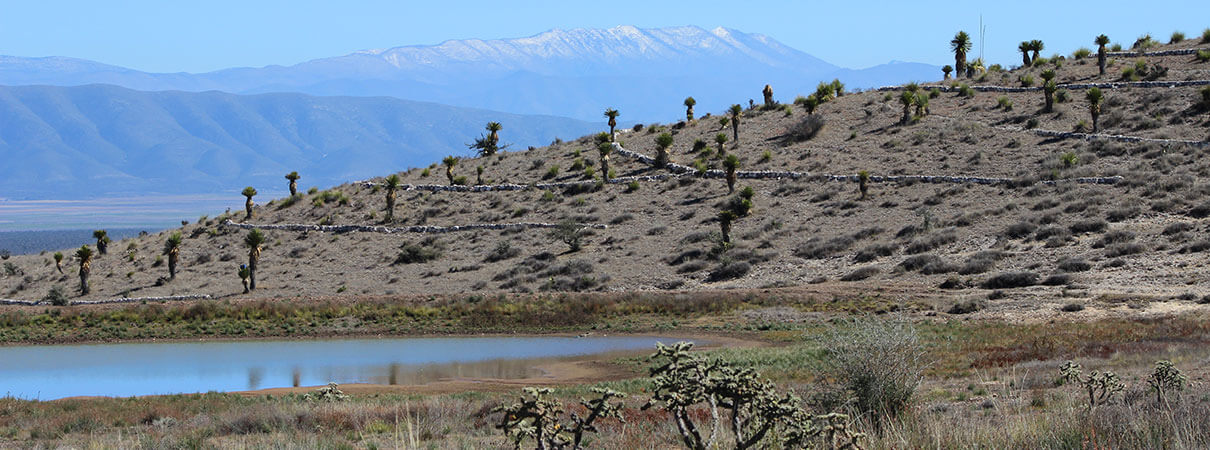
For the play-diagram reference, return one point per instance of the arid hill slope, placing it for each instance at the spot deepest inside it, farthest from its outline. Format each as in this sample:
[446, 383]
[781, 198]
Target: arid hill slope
[1034, 240]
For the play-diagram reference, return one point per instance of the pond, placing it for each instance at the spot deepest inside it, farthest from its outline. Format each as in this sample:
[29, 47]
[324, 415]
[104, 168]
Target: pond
[49, 372]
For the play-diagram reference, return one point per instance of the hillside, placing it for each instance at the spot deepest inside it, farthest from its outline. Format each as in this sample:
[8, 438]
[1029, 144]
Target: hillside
[100, 140]
[1028, 220]
[571, 73]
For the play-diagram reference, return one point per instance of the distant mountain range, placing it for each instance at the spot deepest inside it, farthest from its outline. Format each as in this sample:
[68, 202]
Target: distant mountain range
[103, 140]
[645, 73]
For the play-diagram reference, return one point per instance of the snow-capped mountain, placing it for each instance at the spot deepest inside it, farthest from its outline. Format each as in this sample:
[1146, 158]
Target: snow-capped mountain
[645, 73]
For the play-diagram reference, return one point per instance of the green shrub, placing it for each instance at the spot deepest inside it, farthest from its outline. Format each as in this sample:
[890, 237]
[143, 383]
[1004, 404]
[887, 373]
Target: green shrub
[551, 172]
[880, 362]
[1004, 103]
[632, 186]
[766, 156]
[1081, 53]
[56, 296]
[1206, 36]
[459, 180]
[410, 253]
[1069, 160]
[1177, 37]
[1203, 55]
[425, 172]
[1062, 96]
[1082, 126]
[964, 90]
[1027, 80]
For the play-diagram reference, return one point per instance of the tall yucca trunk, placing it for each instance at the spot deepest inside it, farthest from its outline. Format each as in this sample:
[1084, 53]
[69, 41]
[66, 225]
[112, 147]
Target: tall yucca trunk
[293, 188]
[1101, 57]
[253, 257]
[730, 180]
[172, 259]
[689, 113]
[605, 168]
[612, 123]
[85, 269]
[768, 92]
[248, 209]
[390, 204]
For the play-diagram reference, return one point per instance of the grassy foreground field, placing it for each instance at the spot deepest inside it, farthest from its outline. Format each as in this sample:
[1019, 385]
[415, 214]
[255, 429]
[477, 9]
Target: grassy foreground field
[992, 383]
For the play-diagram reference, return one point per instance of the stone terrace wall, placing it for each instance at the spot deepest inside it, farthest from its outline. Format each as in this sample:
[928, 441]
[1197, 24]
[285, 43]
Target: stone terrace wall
[392, 230]
[1105, 85]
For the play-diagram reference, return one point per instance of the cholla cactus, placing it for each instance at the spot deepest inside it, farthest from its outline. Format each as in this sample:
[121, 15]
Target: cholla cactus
[328, 394]
[1101, 386]
[683, 381]
[537, 416]
[1166, 378]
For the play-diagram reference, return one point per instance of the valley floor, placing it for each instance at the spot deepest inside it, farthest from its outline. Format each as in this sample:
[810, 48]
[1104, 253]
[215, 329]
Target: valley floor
[988, 381]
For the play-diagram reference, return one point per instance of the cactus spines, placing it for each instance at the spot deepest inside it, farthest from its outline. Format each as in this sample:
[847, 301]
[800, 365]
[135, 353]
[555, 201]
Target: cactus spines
[1166, 378]
[538, 416]
[1101, 386]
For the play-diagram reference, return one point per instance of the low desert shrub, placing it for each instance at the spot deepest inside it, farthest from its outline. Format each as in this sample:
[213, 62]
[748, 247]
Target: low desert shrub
[861, 273]
[881, 362]
[1010, 280]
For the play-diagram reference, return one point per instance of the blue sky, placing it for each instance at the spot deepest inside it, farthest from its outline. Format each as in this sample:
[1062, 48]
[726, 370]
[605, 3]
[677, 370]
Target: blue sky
[171, 36]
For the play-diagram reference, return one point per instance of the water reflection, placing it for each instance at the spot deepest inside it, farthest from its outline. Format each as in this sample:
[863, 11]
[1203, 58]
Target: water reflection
[49, 372]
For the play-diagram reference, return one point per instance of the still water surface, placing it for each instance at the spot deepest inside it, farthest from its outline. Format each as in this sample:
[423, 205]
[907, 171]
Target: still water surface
[118, 370]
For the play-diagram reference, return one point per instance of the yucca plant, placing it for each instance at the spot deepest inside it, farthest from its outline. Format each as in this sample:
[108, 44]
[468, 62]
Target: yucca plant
[721, 139]
[808, 103]
[1036, 47]
[255, 240]
[908, 99]
[837, 87]
[1101, 42]
[493, 129]
[863, 183]
[604, 149]
[58, 256]
[735, 111]
[84, 254]
[689, 104]
[662, 143]
[725, 217]
[243, 274]
[248, 192]
[293, 177]
[1024, 49]
[1048, 88]
[479, 175]
[947, 69]
[391, 184]
[449, 162]
[922, 104]
[768, 93]
[1094, 107]
[823, 92]
[172, 249]
[960, 45]
[731, 164]
[612, 114]
[102, 238]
